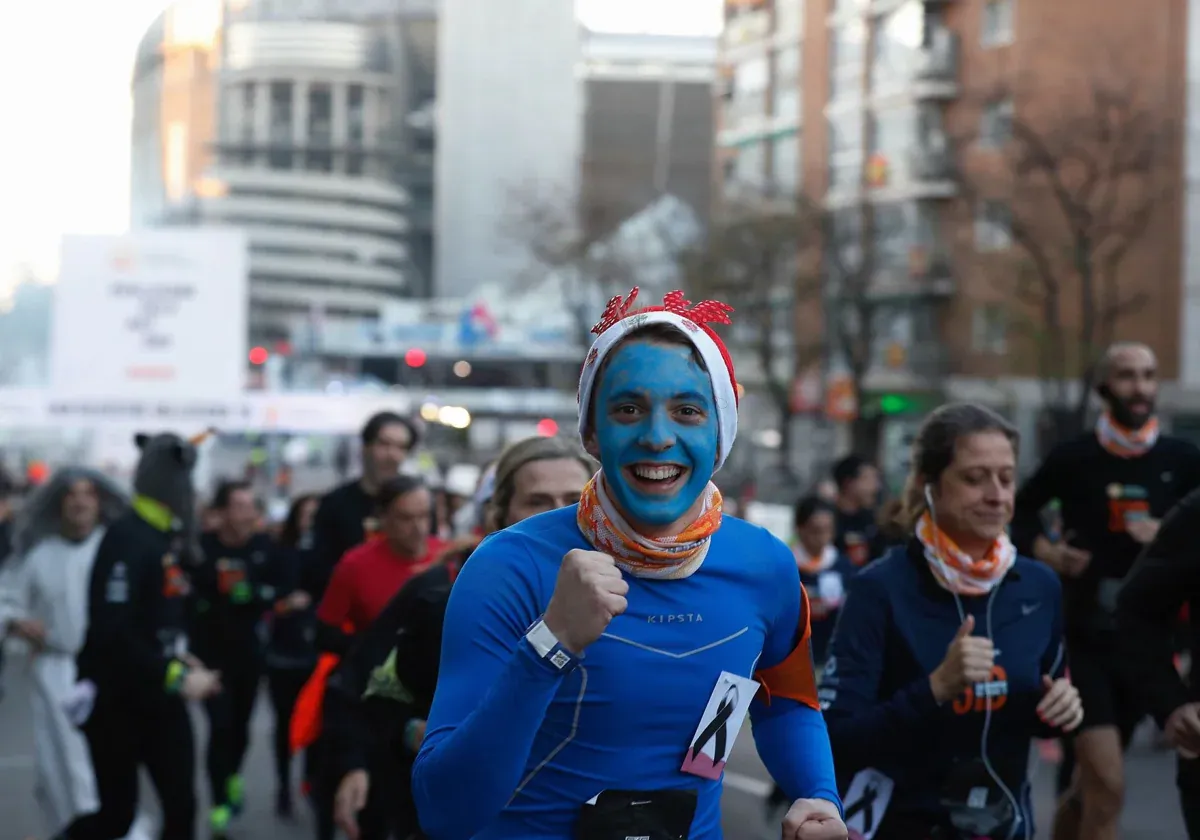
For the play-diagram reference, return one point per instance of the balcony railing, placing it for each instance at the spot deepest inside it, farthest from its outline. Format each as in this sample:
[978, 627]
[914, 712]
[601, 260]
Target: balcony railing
[938, 62]
[927, 274]
[931, 161]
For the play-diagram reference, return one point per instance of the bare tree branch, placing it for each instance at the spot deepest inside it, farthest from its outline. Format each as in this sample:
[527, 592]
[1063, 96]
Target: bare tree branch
[1084, 183]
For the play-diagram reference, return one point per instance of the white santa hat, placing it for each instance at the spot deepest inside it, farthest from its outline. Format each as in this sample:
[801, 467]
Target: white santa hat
[621, 318]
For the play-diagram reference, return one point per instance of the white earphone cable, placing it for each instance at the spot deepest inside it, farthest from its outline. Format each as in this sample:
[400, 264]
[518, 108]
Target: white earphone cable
[1018, 811]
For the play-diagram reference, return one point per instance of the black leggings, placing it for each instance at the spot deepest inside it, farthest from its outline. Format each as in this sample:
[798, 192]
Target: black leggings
[229, 716]
[120, 739]
[284, 685]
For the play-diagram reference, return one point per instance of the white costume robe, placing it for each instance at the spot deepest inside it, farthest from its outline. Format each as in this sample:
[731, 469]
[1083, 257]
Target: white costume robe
[50, 585]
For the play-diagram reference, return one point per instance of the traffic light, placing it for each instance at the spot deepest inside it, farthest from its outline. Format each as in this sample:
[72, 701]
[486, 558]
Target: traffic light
[415, 358]
[547, 427]
[896, 404]
[259, 356]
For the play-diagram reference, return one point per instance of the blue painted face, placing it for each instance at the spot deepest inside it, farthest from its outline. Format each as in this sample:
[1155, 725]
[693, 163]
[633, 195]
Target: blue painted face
[656, 431]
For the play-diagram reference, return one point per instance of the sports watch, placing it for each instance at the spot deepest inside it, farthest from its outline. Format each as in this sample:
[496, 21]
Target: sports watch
[546, 647]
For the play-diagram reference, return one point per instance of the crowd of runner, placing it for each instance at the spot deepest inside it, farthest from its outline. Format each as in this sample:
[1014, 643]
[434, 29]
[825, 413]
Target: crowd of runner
[572, 651]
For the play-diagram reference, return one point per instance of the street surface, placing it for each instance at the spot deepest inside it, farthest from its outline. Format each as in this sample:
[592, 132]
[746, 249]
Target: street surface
[1152, 809]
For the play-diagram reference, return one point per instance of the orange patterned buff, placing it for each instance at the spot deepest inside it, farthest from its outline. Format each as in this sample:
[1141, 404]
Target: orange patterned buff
[956, 570]
[665, 558]
[1123, 442]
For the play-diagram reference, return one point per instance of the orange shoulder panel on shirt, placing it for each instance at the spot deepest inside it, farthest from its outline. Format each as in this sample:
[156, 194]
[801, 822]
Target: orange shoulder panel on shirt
[794, 678]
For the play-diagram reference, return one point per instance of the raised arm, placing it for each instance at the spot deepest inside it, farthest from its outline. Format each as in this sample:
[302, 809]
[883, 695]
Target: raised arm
[492, 694]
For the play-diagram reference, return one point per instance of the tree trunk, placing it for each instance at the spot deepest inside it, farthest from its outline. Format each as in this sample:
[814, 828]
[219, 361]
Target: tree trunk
[866, 432]
[787, 442]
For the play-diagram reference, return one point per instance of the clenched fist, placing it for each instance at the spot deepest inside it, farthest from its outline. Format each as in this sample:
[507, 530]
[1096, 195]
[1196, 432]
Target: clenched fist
[813, 819]
[968, 661]
[588, 594]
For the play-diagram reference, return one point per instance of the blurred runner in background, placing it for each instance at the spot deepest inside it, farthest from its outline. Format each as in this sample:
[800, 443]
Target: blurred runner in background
[379, 696]
[233, 589]
[291, 652]
[1165, 579]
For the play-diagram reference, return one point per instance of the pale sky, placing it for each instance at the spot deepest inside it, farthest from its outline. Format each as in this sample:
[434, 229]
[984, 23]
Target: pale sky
[64, 85]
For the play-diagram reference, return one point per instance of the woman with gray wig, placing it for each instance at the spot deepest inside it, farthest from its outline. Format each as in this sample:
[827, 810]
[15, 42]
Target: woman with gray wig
[43, 602]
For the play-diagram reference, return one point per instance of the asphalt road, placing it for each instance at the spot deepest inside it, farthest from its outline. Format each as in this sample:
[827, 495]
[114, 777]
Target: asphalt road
[1152, 811]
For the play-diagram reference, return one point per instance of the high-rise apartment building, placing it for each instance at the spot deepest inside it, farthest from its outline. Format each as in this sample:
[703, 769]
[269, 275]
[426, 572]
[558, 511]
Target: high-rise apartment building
[874, 107]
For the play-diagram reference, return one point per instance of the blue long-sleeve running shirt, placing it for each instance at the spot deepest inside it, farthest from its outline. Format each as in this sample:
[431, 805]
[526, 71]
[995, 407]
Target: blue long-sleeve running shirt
[514, 749]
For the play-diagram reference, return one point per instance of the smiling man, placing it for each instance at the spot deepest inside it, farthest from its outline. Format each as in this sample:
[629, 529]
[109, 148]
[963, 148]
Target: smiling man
[598, 661]
[1114, 484]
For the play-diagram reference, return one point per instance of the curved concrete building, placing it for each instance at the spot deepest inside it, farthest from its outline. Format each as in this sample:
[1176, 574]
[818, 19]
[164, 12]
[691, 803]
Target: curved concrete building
[287, 122]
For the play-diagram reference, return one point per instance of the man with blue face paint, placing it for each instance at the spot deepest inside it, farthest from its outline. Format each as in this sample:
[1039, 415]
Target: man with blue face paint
[598, 661]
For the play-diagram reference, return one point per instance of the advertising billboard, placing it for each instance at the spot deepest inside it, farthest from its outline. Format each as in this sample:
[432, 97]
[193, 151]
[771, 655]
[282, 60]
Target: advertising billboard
[151, 315]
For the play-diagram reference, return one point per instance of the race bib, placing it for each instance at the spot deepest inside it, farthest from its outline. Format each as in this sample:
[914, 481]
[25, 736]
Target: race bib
[719, 726]
[866, 802]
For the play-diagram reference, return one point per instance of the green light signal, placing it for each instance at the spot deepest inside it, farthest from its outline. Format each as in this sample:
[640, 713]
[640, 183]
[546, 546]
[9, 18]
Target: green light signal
[895, 404]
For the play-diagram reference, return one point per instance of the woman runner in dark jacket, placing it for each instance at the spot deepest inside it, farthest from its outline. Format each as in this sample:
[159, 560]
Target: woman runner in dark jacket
[380, 694]
[947, 656]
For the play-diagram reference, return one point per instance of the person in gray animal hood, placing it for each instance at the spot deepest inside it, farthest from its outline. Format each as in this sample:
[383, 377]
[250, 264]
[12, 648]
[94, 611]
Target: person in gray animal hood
[135, 670]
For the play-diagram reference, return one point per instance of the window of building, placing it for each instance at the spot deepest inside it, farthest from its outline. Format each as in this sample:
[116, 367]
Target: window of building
[892, 136]
[751, 75]
[995, 125]
[896, 47]
[786, 92]
[176, 164]
[844, 246]
[319, 157]
[998, 23]
[281, 136]
[789, 18]
[904, 235]
[846, 59]
[355, 128]
[785, 163]
[993, 226]
[249, 96]
[846, 155]
[989, 329]
[750, 166]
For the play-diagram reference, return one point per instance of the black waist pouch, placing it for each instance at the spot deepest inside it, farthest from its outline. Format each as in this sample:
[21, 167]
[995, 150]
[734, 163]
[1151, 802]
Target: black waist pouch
[976, 806]
[638, 815]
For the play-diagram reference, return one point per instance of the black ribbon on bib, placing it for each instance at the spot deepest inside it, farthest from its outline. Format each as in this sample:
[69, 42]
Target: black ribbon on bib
[865, 806]
[716, 728]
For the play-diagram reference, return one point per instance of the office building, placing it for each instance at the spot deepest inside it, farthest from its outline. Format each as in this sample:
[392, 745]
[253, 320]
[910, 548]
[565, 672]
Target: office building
[508, 126]
[288, 120]
[647, 123]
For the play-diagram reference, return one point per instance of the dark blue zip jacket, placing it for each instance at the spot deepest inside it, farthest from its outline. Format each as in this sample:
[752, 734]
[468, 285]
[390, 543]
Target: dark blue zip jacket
[894, 630]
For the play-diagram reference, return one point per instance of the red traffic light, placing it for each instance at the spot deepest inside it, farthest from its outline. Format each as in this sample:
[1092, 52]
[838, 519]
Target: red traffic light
[547, 427]
[259, 356]
[414, 358]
